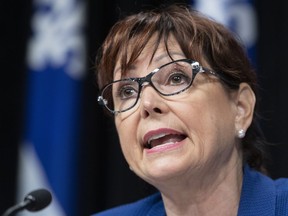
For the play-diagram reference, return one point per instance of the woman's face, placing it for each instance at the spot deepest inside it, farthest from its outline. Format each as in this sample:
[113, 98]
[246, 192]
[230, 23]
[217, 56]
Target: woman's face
[192, 132]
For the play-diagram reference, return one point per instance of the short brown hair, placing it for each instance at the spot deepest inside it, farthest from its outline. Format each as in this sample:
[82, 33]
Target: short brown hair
[200, 38]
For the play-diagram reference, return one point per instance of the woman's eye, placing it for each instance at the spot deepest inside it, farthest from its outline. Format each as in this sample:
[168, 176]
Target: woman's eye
[127, 92]
[177, 78]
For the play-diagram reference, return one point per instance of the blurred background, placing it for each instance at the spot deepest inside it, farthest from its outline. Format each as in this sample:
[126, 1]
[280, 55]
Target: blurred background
[54, 134]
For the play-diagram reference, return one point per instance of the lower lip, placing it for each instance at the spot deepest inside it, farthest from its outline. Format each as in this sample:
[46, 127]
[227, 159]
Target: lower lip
[164, 147]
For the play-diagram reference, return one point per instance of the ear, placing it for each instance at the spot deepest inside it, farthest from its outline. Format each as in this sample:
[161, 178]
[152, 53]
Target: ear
[245, 103]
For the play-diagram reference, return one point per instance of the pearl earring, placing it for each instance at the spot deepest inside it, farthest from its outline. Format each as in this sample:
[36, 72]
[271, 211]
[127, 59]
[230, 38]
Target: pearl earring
[241, 133]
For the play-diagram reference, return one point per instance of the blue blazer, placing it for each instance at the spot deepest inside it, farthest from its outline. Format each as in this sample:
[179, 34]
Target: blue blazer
[260, 196]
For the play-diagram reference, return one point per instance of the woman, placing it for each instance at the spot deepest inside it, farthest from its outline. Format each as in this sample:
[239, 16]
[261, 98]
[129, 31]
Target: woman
[189, 126]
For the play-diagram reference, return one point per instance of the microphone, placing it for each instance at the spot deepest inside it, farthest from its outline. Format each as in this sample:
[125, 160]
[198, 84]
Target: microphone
[34, 201]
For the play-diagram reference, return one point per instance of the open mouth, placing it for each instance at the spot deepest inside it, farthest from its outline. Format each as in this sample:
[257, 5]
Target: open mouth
[162, 139]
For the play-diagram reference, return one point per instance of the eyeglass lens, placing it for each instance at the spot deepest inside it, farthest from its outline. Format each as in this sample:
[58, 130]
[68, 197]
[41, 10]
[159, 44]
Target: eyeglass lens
[170, 79]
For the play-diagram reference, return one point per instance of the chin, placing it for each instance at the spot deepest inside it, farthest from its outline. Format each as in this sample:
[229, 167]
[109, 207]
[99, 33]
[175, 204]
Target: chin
[165, 169]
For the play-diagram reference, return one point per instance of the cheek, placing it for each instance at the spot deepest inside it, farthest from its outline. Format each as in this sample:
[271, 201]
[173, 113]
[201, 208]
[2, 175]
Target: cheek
[128, 138]
[209, 119]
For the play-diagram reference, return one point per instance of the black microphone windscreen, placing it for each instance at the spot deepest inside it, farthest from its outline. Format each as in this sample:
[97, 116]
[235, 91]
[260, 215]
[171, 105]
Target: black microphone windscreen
[39, 199]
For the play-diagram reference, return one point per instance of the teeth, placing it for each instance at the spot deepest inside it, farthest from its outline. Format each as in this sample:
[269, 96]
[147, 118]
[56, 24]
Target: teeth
[163, 138]
[155, 137]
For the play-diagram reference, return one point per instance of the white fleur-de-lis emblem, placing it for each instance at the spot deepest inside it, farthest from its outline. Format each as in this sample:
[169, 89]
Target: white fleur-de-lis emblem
[57, 36]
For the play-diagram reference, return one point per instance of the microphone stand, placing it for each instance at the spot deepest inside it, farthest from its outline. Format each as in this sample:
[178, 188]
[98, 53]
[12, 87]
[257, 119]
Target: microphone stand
[16, 208]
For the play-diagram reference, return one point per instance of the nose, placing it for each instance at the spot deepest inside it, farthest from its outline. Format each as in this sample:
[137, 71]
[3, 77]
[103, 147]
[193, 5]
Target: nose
[151, 103]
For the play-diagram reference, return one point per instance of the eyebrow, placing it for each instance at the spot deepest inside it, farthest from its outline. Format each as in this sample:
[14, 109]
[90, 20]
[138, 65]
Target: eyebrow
[170, 54]
[158, 58]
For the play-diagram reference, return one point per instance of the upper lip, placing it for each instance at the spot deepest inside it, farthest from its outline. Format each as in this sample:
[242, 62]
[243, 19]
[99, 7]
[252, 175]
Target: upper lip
[155, 134]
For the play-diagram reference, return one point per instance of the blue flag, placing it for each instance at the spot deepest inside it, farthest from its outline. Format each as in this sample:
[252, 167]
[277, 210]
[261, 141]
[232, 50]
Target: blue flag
[56, 68]
[238, 15]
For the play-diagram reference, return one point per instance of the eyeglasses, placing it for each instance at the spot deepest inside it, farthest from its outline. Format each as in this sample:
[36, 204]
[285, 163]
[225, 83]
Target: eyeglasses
[169, 79]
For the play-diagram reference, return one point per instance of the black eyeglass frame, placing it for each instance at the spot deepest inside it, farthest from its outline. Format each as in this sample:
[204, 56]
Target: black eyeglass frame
[196, 68]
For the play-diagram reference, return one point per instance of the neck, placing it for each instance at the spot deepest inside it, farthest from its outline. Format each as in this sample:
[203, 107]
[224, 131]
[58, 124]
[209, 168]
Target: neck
[216, 194]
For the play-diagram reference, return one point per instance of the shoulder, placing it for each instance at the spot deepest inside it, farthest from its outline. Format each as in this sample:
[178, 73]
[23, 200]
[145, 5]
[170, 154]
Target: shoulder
[262, 195]
[281, 186]
[151, 205]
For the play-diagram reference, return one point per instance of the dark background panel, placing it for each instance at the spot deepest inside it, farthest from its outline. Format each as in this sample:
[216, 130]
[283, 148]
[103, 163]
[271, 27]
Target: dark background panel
[273, 76]
[14, 25]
